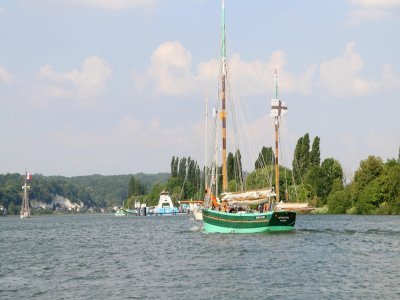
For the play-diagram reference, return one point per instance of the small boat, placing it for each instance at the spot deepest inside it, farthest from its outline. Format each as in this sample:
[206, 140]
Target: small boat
[25, 211]
[131, 211]
[198, 213]
[195, 207]
[165, 205]
[121, 212]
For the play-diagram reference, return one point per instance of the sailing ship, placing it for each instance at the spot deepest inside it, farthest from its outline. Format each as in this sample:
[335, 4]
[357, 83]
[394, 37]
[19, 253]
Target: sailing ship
[25, 211]
[231, 214]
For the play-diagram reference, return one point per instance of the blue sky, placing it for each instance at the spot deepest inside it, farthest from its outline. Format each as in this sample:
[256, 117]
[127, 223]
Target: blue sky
[117, 87]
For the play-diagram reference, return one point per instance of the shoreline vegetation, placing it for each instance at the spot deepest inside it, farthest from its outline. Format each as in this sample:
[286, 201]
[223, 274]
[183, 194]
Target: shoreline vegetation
[374, 188]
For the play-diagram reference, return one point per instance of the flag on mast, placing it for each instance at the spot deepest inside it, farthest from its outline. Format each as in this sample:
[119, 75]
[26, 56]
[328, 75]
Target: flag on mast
[28, 176]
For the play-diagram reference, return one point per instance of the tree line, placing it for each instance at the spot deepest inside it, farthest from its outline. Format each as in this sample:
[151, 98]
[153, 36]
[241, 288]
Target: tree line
[375, 187]
[93, 191]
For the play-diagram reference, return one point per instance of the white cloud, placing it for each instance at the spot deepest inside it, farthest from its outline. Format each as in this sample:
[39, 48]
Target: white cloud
[116, 4]
[341, 76]
[372, 10]
[376, 3]
[171, 69]
[256, 77]
[361, 15]
[5, 76]
[83, 84]
[389, 79]
[2, 10]
[171, 73]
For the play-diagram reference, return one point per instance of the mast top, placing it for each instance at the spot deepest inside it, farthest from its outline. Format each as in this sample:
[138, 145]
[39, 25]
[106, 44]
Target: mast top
[278, 107]
[276, 83]
[223, 47]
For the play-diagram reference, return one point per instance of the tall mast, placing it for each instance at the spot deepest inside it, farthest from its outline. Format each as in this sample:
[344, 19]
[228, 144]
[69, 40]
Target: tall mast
[223, 100]
[206, 146]
[25, 201]
[215, 169]
[276, 142]
[278, 109]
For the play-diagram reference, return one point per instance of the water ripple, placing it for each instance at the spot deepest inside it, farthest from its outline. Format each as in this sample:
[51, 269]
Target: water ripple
[104, 257]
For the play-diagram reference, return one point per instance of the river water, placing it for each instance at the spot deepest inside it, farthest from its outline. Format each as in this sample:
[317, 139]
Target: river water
[108, 257]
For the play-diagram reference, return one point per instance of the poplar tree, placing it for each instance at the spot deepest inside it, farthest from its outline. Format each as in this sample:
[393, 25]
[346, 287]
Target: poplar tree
[191, 165]
[315, 154]
[238, 167]
[301, 159]
[182, 168]
[297, 155]
[174, 166]
[131, 187]
[230, 162]
[305, 153]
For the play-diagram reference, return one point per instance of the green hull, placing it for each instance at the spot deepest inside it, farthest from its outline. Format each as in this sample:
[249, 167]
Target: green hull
[221, 222]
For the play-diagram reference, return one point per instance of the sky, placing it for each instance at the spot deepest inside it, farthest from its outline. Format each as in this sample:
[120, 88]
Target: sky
[119, 87]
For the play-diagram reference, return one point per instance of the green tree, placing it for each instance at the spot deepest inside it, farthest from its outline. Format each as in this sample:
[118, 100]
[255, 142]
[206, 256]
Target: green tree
[174, 166]
[393, 187]
[191, 169]
[260, 178]
[301, 193]
[182, 168]
[371, 196]
[339, 202]
[301, 159]
[135, 187]
[368, 170]
[132, 187]
[239, 169]
[230, 165]
[232, 186]
[12, 209]
[315, 154]
[331, 171]
[155, 194]
[296, 160]
[263, 178]
[312, 178]
[265, 158]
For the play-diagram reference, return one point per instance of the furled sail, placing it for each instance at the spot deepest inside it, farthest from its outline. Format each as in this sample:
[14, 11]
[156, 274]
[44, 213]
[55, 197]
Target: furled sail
[249, 197]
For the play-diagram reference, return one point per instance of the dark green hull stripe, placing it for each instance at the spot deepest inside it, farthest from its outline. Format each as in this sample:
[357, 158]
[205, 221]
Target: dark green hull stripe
[215, 221]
